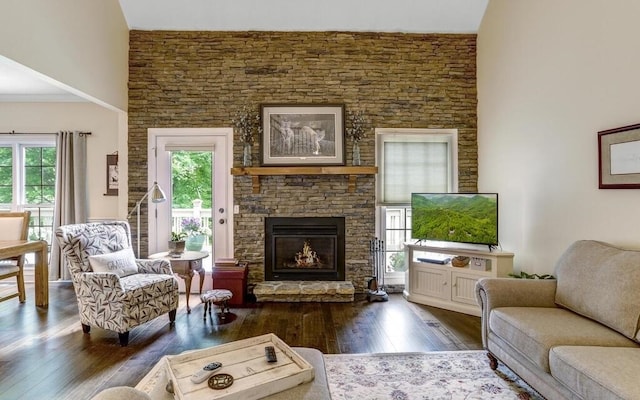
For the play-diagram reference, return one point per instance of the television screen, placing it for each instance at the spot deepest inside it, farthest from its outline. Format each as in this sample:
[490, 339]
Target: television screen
[455, 217]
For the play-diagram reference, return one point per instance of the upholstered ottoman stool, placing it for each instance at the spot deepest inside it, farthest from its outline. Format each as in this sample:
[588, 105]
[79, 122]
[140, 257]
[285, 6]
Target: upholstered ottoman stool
[219, 297]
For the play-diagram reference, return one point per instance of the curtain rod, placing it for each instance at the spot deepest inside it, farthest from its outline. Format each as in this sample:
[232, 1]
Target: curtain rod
[34, 133]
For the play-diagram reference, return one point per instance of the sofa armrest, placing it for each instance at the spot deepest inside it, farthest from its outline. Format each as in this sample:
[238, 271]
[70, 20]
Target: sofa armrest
[512, 292]
[157, 266]
[105, 281]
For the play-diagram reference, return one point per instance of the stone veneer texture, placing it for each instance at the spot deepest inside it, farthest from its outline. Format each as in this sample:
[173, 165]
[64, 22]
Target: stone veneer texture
[298, 291]
[194, 79]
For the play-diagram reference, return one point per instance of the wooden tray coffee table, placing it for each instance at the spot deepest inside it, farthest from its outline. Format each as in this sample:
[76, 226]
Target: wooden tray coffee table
[253, 376]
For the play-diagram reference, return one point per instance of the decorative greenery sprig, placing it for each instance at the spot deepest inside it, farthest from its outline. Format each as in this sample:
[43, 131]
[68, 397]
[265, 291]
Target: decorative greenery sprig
[355, 125]
[178, 236]
[524, 275]
[247, 123]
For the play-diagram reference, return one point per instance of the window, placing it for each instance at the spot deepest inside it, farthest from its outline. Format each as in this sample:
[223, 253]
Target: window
[27, 181]
[409, 160]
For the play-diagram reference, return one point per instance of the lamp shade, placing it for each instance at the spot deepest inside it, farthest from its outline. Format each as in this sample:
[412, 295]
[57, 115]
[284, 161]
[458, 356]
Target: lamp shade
[157, 195]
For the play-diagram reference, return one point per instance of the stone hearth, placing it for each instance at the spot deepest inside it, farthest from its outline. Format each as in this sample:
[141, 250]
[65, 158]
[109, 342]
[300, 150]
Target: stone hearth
[298, 291]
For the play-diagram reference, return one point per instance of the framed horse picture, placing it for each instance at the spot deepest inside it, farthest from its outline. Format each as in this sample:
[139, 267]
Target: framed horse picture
[296, 135]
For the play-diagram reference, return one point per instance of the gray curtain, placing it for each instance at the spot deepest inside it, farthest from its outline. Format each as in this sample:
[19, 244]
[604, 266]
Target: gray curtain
[71, 206]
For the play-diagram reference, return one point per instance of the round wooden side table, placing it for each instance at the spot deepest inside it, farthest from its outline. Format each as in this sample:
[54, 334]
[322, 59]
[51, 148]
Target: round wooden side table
[184, 266]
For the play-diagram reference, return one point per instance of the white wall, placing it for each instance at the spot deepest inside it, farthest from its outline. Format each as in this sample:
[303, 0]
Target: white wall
[551, 74]
[81, 44]
[53, 117]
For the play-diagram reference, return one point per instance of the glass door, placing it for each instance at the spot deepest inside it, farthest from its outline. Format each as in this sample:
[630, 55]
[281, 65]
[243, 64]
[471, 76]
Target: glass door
[193, 167]
[191, 197]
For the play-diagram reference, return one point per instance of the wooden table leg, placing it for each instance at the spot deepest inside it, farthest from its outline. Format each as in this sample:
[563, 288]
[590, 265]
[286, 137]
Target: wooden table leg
[185, 268]
[187, 287]
[42, 277]
[201, 272]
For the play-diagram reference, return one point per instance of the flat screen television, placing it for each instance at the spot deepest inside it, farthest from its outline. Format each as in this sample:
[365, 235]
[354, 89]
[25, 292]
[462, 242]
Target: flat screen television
[455, 217]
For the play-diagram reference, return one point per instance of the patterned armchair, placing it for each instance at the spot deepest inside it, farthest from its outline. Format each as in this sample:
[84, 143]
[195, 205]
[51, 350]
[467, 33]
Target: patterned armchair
[114, 290]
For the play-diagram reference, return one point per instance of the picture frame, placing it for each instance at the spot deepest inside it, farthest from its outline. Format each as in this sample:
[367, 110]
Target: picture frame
[619, 158]
[112, 175]
[302, 135]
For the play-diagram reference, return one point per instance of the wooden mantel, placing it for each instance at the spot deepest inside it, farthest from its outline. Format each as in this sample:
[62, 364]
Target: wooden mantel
[257, 172]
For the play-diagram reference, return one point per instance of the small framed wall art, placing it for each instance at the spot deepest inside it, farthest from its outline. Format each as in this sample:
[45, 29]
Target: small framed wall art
[619, 158]
[112, 174]
[302, 135]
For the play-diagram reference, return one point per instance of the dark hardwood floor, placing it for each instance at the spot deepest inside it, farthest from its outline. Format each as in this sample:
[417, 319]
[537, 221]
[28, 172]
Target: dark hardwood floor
[45, 355]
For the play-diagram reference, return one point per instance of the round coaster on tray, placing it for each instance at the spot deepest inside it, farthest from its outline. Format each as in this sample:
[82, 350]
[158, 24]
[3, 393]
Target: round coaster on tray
[220, 381]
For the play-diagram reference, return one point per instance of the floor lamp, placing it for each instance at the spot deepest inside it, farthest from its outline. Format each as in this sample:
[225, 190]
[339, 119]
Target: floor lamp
[157, 196]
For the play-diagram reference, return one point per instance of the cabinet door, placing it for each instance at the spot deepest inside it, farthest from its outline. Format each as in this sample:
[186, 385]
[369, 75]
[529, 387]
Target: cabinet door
[463, 287]
[433, 282]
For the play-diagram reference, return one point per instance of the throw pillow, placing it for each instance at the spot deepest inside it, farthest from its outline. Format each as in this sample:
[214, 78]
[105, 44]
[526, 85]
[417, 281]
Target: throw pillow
[122, 262]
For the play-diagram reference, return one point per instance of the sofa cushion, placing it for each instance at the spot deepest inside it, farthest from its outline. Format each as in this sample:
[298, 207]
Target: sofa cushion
[121, 262]
[533, 331]
[597, 372]
[139, 288]
[601, 282]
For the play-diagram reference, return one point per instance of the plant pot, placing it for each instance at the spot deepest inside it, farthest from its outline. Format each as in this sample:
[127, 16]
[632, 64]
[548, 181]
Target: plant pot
[195, 243]
[176, 247]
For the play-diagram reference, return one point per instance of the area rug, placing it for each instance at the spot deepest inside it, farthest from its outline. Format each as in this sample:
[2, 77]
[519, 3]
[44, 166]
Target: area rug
[422, 376]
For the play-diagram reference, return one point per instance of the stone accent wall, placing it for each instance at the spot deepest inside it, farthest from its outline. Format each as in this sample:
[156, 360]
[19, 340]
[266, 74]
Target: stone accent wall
[199, 79]
[298, 291]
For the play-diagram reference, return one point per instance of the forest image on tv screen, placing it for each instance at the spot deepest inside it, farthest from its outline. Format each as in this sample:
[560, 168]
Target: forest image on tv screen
[464, 218]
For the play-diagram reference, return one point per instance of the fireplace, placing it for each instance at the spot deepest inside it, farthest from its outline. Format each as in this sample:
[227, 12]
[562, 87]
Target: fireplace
[304, 249]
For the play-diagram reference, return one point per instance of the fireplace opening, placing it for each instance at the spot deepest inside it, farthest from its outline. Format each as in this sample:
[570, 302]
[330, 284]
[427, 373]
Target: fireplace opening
[304, 248]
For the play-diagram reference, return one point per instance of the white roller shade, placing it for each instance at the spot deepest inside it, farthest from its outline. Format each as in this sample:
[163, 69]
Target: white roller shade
[411, 163]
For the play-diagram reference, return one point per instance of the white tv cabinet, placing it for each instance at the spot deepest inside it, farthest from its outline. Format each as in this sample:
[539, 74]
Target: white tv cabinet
[446, 286]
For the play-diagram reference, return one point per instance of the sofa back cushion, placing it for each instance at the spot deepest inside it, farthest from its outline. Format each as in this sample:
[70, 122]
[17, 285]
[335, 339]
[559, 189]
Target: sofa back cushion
[601, 282]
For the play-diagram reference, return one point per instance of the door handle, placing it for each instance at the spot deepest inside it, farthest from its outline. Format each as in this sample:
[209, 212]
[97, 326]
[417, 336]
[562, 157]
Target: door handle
[221, 221]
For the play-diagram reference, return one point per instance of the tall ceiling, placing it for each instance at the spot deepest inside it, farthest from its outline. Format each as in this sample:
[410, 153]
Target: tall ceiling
[412, 16]
[422, 16]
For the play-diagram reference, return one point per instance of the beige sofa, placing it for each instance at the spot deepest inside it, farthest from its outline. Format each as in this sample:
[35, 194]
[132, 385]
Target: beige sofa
[576, 337]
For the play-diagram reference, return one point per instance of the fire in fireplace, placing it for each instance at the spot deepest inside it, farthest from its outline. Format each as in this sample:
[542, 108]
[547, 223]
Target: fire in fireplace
[304, 248]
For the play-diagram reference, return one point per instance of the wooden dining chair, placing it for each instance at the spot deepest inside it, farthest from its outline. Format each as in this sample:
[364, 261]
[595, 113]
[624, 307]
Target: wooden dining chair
[13, 226]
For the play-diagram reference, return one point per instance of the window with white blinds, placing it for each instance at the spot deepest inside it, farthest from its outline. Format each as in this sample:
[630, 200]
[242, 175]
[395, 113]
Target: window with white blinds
[409, 161]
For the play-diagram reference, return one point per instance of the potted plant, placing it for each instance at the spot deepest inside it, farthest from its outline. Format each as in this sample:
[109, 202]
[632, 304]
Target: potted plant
[247, 122]
[177, 243]
[355, 130]
[524, 275]
[196, 233]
